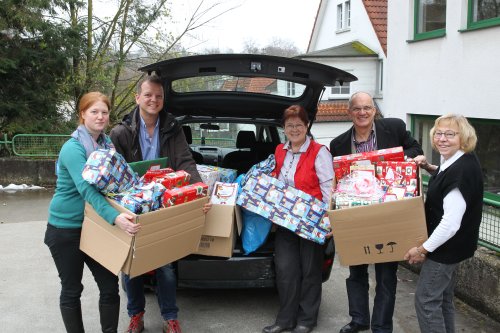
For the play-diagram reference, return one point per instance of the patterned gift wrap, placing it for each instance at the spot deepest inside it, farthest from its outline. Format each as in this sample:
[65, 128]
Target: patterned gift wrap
[157, 173]
[224, 175]
[141, 199]
[285, 206]
[179, 195]
[341, 164]
[109, 172]
[208, 175]
[174, 179]
[397, 173]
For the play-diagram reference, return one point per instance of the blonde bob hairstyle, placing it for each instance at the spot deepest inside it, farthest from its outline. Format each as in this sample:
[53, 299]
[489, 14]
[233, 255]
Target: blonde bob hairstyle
[466, 132]
[90, 99]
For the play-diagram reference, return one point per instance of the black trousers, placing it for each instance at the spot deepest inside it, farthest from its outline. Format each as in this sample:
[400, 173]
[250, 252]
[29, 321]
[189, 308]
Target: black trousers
[64, 245]
[298, 265]
[385, 295]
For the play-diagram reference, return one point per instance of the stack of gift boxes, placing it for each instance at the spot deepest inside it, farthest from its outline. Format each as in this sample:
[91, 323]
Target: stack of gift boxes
[110, 173]
[373, 177]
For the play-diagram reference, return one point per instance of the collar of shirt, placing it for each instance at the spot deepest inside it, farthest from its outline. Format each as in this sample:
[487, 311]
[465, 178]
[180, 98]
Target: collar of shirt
[446, 163]
[287, 146]
[372, 139]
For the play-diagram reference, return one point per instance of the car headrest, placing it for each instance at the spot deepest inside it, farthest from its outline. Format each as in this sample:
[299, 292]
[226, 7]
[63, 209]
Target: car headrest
[245, 139]
[188, 134]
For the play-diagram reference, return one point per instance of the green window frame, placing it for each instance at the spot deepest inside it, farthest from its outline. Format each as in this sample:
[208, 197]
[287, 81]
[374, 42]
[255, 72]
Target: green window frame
[419, 34]
[473, 23]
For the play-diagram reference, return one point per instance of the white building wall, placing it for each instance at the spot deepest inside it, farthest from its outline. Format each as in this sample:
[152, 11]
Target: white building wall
[361, 28]
[457, 73]
[324, 132]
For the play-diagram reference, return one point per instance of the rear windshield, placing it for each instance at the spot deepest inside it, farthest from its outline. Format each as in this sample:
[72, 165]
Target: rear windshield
[255, 85]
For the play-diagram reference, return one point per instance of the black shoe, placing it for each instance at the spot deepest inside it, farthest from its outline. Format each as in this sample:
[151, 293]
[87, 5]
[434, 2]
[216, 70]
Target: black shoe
[302, 329]
[275, 329]
[353, 327]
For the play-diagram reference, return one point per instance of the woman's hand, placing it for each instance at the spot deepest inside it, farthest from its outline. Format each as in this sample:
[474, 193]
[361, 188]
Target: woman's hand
[421, 162]
[124, 221]
[206, 207]
[415, 256]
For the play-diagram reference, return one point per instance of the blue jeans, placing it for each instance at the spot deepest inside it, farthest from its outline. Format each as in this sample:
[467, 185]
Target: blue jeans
[385, 295]
[166, 288]
[434, 297]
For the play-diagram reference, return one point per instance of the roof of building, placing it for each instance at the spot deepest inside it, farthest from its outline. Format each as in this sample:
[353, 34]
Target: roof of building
[377, 12]
[329, 111]
[351, 49]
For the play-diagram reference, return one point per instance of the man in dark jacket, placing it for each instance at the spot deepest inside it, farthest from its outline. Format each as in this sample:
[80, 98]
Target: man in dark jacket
[149, 132]
[365, 135]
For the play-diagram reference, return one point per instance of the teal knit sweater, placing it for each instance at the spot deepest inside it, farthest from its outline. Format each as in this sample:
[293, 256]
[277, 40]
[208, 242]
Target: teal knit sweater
[67, 205]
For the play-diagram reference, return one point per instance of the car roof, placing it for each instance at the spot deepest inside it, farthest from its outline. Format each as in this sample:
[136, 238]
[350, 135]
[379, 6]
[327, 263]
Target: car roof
[313, 76]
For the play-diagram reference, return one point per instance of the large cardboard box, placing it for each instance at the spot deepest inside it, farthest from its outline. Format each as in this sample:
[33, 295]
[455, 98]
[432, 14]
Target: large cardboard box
[378, 233]
[219, 234]
[166, 235]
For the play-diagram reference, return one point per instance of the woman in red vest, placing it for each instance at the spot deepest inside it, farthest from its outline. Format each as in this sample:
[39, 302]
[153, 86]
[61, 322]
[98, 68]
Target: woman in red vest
[306, 165]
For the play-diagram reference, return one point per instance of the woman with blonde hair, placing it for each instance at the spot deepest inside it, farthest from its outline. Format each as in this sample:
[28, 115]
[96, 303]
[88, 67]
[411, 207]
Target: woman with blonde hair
[66, 218]
[453, 211]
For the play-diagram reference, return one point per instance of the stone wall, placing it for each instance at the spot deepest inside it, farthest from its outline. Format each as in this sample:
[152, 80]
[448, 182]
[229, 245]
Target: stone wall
[27, 171]
[478, 281]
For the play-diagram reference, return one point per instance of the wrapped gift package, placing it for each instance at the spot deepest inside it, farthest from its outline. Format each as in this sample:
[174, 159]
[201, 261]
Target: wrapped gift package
[141, 199]
[397, 173]
[341, 164]
[154, 173]
[208, 175]
[178, 195]
[286, 206]
[224, 193]
[109, 172]
[174, 179]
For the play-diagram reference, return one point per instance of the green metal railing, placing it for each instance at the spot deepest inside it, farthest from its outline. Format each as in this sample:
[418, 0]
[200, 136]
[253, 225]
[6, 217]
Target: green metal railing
[35, 145]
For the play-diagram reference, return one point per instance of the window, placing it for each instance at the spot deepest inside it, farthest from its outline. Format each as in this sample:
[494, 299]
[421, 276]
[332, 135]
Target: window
[483, 13]
[344, 89]
[430, 19]
[487, 148]
[343, 15]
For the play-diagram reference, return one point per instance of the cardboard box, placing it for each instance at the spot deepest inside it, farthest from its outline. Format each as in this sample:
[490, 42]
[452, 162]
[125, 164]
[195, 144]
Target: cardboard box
[219, 234]
[166, 235]
[378, 233]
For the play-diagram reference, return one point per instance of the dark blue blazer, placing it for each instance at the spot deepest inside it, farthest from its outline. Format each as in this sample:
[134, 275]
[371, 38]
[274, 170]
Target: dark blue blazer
[391, 132]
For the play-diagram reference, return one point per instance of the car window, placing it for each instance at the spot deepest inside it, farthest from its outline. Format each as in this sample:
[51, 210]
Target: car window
[222, 135]
[255, 85]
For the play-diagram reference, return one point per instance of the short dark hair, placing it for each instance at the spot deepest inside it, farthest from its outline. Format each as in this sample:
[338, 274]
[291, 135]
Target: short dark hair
[149, 78]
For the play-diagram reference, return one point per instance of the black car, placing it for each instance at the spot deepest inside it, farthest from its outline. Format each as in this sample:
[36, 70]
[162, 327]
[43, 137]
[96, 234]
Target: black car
[230, 106]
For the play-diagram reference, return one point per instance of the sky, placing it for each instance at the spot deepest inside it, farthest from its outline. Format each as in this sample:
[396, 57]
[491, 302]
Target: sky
[255, 20]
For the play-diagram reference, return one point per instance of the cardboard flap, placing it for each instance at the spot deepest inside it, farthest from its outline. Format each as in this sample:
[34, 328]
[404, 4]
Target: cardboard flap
[113, 251]
[219, 221]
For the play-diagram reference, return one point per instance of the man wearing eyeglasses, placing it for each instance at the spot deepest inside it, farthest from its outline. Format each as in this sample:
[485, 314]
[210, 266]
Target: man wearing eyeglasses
[367, 134]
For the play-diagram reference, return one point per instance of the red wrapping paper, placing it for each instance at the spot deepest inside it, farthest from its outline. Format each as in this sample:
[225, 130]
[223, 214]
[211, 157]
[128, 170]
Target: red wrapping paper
[178, 195]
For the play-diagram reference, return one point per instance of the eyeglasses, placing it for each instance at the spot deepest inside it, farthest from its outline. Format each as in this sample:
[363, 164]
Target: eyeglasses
[447, 134]
[365, 108]
[297, 126]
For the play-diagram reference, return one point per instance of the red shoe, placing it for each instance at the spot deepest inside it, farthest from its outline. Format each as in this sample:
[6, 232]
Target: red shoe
[171, 326]
[136, 323]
